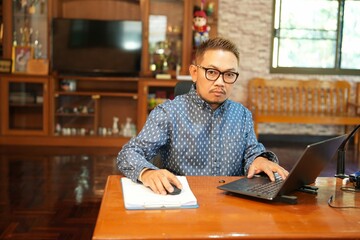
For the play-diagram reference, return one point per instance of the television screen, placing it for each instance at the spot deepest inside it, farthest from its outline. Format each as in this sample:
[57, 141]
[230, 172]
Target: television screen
[83, 46]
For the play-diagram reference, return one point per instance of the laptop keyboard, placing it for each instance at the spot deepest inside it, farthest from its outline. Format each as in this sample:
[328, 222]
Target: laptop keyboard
[269, 188]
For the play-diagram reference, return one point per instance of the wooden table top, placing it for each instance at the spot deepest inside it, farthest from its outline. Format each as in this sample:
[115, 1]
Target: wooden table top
[227, 216]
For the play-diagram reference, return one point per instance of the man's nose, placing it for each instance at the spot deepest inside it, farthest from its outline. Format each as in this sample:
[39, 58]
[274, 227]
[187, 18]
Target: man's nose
[220, 79]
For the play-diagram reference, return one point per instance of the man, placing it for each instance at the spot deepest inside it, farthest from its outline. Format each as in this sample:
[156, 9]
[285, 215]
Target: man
[201, 132]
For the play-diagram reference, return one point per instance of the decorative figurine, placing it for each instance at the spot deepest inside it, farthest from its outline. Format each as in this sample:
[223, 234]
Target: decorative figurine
[200, 27]
[58, 128]
[84, 110]
[115, 126]
[210, 9]
[127, 131]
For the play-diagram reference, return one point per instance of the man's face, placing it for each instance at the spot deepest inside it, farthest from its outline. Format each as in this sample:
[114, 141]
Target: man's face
[214, 92]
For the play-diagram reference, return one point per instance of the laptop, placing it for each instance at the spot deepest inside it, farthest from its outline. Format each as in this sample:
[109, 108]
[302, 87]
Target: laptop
[304, 172]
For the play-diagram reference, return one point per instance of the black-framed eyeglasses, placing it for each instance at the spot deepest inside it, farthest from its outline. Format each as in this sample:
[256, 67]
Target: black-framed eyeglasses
[213, 74]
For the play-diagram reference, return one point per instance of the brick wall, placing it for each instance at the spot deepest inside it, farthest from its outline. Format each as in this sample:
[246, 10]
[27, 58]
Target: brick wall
[249, 24]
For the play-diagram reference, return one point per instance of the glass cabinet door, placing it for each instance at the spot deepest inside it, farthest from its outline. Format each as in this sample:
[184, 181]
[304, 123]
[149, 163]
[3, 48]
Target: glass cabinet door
[165, 35]
[30, 33]
[172, 35]
[25, 107]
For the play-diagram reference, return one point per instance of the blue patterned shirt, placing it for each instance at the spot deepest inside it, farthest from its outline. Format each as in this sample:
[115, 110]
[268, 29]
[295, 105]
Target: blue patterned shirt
[193, 139]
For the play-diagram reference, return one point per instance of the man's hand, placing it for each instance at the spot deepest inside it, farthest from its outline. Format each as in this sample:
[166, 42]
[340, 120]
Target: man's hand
[160, 180]
[262, 164]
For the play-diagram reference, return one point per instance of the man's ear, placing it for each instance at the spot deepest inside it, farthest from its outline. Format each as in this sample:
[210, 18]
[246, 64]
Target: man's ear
[193, 72]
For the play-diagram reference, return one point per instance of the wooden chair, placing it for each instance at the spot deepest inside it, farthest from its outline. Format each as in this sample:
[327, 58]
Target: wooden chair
[301, 102]
[356, 106]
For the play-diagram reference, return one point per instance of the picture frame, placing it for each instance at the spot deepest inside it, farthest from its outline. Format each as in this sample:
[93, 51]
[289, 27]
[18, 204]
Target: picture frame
[5, 65]
[21, 56]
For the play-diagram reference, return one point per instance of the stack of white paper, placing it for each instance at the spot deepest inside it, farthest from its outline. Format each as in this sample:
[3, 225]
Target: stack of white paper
[137, 196]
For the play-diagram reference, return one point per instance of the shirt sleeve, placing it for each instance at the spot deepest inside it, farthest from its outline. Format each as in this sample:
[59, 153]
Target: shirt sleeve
[254, 148]
[140, 150]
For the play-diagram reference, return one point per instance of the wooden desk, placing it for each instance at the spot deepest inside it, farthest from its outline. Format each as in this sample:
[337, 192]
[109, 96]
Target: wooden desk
[223, 215]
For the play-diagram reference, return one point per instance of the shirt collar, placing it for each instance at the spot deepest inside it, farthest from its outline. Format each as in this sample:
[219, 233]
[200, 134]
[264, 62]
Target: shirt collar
[195, 97]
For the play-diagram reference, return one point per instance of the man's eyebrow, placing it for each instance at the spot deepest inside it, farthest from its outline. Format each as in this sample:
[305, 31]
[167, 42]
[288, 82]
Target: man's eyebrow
[226, 70]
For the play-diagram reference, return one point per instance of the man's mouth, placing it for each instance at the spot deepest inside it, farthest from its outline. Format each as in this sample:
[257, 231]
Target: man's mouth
[218, 92]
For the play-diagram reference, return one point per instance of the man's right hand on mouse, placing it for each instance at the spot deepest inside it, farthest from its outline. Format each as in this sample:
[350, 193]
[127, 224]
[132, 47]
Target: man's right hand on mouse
[159, 181]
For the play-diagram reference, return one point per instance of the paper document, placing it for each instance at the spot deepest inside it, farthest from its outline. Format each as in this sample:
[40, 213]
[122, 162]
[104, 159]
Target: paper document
[137, 196]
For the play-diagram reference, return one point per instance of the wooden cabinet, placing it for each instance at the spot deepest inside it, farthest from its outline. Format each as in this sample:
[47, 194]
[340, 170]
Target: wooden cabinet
[24, 105]
[80, 110]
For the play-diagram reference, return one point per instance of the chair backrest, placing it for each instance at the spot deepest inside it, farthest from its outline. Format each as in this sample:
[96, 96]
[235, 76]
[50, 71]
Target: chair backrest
[182, 87]
[279, 95]
[357, 100]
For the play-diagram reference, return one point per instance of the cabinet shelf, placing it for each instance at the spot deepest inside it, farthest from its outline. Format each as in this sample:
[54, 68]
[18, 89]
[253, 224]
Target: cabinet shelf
[93, 105]
[22, 16]
[98, 78]
[33, 105]
[95, 137]
[74, 115]
[95, 94]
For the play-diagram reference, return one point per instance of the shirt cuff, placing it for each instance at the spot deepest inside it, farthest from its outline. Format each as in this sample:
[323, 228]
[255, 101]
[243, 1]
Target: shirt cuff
[270, 156]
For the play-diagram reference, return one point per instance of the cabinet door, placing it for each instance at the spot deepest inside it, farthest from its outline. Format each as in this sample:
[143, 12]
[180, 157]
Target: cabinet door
[166, 27]
[30, 27]
[169, 47]
[25, 106]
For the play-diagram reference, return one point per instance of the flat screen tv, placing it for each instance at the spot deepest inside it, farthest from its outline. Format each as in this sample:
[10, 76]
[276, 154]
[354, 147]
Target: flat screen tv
[96, 47]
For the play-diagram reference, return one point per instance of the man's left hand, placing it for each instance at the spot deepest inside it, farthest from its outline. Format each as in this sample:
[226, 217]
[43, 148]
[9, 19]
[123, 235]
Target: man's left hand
[262, 164]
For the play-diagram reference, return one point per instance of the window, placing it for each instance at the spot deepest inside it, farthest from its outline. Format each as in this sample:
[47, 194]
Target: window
[316, 36]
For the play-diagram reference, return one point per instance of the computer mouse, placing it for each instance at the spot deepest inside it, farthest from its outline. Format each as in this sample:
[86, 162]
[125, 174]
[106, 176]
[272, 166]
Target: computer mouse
[176, 190]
